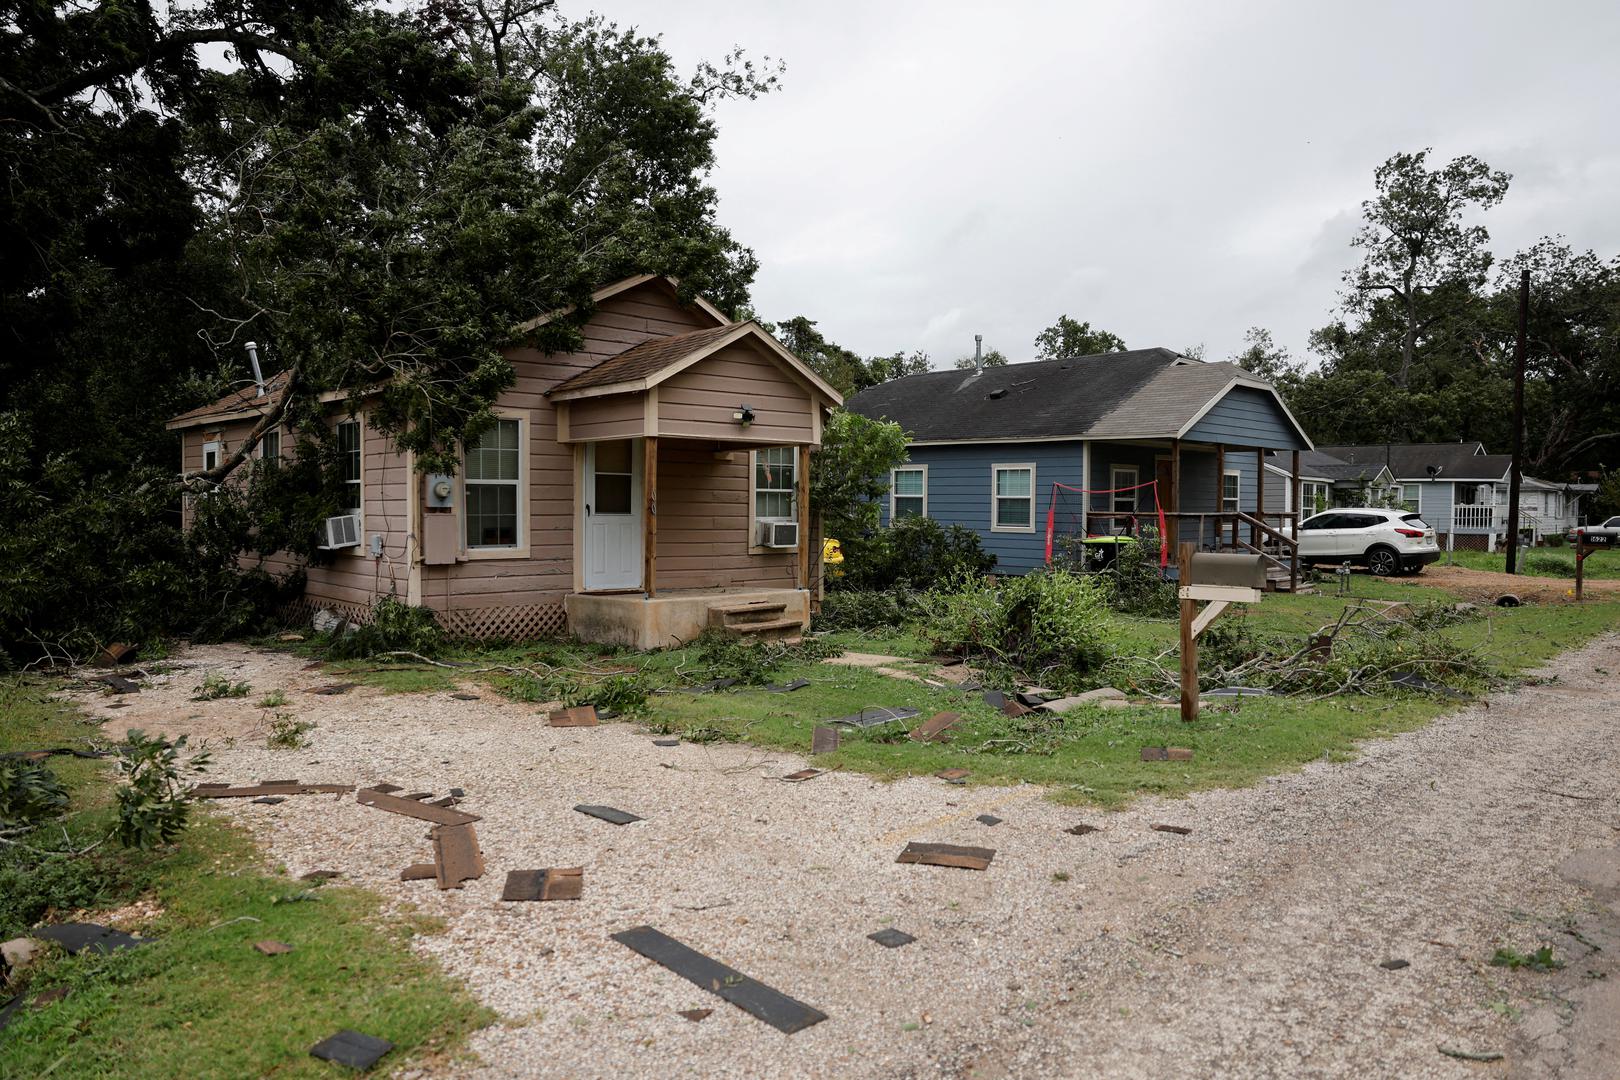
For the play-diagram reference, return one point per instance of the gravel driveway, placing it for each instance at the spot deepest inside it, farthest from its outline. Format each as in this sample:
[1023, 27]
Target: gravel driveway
[1250, 947]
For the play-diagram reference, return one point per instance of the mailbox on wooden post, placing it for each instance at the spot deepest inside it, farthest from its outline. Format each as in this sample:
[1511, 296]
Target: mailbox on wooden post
[1585, 544]
[1220, 578]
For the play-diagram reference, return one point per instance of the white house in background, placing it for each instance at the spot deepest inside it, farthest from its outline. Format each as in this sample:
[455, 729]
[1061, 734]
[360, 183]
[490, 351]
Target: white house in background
[1458, 488]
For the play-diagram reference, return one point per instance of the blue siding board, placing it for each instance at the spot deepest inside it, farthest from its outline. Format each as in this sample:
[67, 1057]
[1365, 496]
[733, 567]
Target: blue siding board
[959, 477]
[1247, 417]
[959, 493]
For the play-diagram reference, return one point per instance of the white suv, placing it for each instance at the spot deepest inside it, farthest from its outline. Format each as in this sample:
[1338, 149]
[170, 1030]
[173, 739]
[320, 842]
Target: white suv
[1386, 542]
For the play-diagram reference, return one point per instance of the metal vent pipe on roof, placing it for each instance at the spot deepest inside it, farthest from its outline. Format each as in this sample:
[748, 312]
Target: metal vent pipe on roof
[253, 358]
[978, 353]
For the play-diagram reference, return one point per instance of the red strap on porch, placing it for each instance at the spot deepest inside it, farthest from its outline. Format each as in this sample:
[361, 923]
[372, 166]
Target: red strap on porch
[1051, 514]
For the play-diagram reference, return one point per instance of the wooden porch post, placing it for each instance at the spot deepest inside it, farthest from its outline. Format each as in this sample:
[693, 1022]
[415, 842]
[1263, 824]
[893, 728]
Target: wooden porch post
[1220, 499]
[1259, 495]
[1299, 515]
[649, 515]
[1173, 525]
[803, 476]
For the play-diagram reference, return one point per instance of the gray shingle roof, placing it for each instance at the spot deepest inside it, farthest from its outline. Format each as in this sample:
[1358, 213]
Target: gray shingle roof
[1143, 392]
[1411, 461]
[1167, 401]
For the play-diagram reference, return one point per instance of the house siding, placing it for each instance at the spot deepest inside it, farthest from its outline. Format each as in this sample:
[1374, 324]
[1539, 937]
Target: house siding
[698, 403]
[959, 493]
[704, 522]
[959, 489]
[478, 591]
[1246, 417]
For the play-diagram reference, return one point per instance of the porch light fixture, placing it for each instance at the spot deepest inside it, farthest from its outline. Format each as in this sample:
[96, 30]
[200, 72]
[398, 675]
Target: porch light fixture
[744, 415]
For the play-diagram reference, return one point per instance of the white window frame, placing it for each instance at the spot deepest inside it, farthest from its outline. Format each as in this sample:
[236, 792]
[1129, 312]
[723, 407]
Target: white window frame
[212, 448]
[894, 494]
[754, 546]
[1124, 476]
[754, 489]
[519, 550]
[1307, 496]
[995, 499]
[1237, 497]
[1416, 501]
[359, 484]
[259, 451]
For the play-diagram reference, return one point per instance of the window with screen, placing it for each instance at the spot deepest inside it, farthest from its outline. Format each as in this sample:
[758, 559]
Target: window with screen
[494, 473]
[1231, 492]
[1014, 499]
[908, 492]
[775, 474]
[349, 465]
[1122, 479]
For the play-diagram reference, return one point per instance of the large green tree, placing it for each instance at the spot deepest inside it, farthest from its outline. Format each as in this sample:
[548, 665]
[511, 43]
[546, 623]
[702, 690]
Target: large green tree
[1417, 247]
[1070, 337]
[378, 197]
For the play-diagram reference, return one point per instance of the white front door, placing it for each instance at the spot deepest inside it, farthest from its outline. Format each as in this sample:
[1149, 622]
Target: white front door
[613, 514]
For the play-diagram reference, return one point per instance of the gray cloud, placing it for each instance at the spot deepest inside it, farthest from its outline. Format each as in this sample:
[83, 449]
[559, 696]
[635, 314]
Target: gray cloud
[1172, 172]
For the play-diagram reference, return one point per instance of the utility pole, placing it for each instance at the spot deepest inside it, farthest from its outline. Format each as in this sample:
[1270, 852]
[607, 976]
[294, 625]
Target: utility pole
[1518, 423]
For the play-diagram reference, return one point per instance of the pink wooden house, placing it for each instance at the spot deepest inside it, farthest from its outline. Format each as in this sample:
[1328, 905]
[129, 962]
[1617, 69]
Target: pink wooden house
[653, 483]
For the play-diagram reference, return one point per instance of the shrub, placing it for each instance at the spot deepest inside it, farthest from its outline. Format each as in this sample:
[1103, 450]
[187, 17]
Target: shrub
[912, 553]
[1048, 625]
[866, 609]
[724, 656]
[215, 686]
[29, 793]
[286, 733]
[1136, 580]
[153, 802]
[393, 627]
[1548, 564]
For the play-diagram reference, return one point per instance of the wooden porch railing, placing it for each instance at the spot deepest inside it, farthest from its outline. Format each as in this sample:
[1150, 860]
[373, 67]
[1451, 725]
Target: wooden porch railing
[1227, 533]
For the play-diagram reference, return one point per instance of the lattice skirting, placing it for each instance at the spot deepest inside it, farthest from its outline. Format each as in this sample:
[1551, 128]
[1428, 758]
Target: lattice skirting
[1467, 542]
[299, 612]
[519, 623]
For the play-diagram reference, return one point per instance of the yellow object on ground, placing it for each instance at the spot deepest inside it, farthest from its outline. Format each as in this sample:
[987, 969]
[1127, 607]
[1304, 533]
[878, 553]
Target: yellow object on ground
[832, 557]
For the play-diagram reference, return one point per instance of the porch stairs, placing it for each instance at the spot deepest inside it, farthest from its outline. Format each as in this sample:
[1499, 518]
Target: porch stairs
[756, 620]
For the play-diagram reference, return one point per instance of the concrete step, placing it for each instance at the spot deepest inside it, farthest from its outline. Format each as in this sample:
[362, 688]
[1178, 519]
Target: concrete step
[790, 630]
[734, 616]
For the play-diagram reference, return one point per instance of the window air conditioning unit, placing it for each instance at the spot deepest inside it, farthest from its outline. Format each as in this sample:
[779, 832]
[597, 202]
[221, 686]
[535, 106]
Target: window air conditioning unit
[779, 534]
[342, 531]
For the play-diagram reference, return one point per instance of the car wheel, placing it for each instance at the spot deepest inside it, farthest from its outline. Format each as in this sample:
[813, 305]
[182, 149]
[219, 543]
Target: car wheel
[1383, 562]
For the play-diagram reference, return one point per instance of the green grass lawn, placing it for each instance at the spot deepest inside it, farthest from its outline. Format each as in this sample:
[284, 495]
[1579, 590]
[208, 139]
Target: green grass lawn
[1093, 755]
[1544, 562]
[1090, 756]
[199, 1001]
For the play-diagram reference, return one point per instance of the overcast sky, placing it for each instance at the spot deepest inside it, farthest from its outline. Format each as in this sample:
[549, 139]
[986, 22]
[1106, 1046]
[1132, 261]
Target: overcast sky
[1173, 172]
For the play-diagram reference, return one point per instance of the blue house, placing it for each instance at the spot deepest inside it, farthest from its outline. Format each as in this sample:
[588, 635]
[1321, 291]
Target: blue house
[1096, 445]
[1458, 488]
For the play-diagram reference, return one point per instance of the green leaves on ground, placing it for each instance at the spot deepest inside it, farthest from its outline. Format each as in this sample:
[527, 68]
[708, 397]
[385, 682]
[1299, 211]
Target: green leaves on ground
[154, 801]
[1540, 960]
[29, 794]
